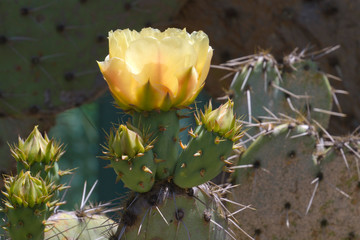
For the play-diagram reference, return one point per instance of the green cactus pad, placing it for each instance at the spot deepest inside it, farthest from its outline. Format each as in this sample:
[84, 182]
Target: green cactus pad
[48, 49]
[255, 83]
[27, 223]
[335, 212]
[137, 173]
[27, 205]
[75, 225]
[168, 212]
[203, 159]
[274, 176]
[163, 128]
[311, 89]
[297, 88]
[283, 196]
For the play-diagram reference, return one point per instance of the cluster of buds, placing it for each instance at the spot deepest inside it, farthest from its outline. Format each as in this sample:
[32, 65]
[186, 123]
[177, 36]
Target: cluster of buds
[25, 190]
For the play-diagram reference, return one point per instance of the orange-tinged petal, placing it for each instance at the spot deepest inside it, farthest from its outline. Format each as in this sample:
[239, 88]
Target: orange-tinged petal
[147, 61]
[187, 86]
[120, 81]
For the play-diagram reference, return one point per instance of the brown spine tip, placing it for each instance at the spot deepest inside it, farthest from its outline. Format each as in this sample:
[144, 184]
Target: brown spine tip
[202, 172]
[118, 177]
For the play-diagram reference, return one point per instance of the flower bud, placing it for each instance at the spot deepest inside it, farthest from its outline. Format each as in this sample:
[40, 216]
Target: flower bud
[36, 148]
[26, 190]
[221, 120]
[124, 143]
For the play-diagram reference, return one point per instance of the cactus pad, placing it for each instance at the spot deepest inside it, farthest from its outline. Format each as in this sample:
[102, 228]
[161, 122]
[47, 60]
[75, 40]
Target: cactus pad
[79, 225]
[48, 49]
[168, 212]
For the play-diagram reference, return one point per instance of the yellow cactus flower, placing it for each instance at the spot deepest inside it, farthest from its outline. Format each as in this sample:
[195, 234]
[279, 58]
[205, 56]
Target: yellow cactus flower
[154, 70]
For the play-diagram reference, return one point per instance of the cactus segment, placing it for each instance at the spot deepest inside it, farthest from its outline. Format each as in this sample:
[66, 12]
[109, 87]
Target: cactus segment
[131, 158]
[27, 223]
[27, 206]
[311, 91]
[296, 88]
[137, 173]
[254, 87]
[73, 225]
[168, 212]
[277, 172]
[163, 128]
[49, 52]
[203, 159]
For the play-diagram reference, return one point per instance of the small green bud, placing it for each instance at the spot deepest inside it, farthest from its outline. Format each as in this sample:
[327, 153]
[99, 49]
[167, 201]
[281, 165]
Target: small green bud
[221, 120]
[36, 148]
[26, 190]
[124, 143]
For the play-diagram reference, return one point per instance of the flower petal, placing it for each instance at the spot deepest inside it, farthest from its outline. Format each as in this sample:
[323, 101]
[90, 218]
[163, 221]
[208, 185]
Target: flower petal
[120, 81]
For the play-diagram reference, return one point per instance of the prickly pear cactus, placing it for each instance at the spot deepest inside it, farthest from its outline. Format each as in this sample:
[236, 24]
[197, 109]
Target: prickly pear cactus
[262, 86]
[48, 50]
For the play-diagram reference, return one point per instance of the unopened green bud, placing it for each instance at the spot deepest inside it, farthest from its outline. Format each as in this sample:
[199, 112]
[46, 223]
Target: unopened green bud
[125, 143]
[26, 190]
[36, 148]
[221, 120]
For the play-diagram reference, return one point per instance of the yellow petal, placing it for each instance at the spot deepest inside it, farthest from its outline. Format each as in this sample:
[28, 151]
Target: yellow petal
[205, 70]
[187, 86]
[119, 41]
[121, 84]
